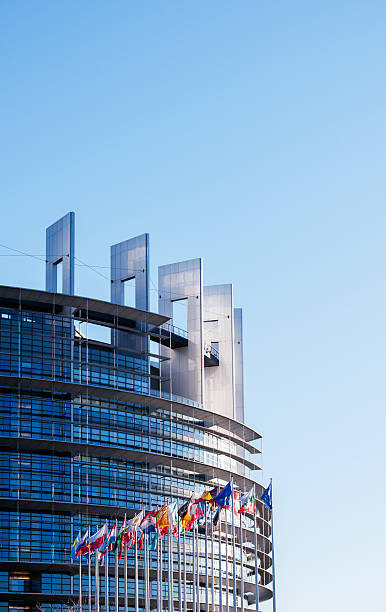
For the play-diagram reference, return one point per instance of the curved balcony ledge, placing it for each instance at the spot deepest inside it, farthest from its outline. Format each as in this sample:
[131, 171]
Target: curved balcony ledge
[174, 403]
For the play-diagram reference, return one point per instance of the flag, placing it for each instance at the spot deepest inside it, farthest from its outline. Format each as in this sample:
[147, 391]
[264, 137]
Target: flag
[162, 520]
[209, 496]
[131, 527]
[223, 499]
[153, 541]
[134, 523]
[236, 502]
[267, 497]
[74, 547]
[148, 524]
[247, 502]
[97, 538]
[109, 542]
[184, 514]
[118, 545]
[174, 518]
[82, 547]
[205, 513]
[216, 516]
[193, 514]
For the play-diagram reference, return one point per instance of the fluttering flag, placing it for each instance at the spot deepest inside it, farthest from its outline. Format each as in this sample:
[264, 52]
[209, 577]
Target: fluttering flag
[134, 523]
[148, 524]
[236, 502]
[109, 542]
[194, 513]
[82, 547]
[205, 513]
[74, 547]
[216, 516]
[174, 518]
[267, 497]
[118, 545]
[184, 513]
[248, 502]
[97, 538]
[224, 497]
[209, 496]
[153, 541]
[162, 521]
[132, 526]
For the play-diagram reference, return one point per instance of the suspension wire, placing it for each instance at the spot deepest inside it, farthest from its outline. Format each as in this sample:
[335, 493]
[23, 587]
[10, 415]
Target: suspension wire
[21, 253]
[94, 268]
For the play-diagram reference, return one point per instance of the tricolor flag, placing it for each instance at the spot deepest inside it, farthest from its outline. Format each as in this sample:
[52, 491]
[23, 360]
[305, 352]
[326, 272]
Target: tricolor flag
[193, 514]
[97, 539]
[118, 545]
[82, 547]
[109, 542]
[209, 496]
[248, 502]
[148, 524]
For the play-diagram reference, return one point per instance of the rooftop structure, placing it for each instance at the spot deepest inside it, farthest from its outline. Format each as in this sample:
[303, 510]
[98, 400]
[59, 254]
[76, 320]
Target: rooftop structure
[95, 431]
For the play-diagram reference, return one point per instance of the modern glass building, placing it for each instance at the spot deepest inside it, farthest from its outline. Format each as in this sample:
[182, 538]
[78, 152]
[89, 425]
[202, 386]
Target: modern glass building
[107, 409]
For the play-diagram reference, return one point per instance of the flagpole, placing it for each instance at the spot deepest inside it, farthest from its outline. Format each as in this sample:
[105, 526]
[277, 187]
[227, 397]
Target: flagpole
[170, 573]
[125, 576]
[89, 580]
[206, 560]
[80, 583]
[161, 575]
[212, 560]
[179, 566]
[96, 581]
[198, 567]
[219, 561]
[256, 558]
[171, 564]
[148, 575]
[146, 594]
[107, 581]
[273, 556]
[234, 554]
[116, 581]
[136, 571]
[241, 565]
[193, 571]
[226, 562]
[158, 578]
[184, 554]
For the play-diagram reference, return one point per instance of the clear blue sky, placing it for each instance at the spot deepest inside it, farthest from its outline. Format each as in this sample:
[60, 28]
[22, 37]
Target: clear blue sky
[251, 134]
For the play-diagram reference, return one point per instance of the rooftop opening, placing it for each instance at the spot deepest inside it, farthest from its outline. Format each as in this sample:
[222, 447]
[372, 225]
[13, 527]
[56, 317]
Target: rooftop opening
[129, 292]
[180, 313]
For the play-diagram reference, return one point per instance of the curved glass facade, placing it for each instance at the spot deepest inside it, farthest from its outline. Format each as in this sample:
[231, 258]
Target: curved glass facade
[72, 457]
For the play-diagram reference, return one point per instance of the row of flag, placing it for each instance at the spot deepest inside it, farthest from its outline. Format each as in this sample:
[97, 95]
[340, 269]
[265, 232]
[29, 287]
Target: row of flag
[158, 522]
